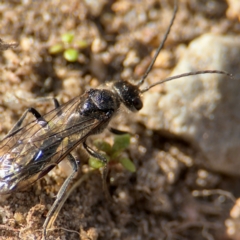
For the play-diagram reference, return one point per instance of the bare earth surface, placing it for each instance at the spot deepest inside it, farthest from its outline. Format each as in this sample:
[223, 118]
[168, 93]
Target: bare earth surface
[159, 200]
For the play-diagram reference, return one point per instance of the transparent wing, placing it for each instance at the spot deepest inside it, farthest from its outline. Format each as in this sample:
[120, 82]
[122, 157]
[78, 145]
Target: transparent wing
[33, 150]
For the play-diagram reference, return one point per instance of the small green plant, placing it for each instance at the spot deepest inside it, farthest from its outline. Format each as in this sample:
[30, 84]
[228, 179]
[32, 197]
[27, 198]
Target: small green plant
[69, 47]
[113, 152]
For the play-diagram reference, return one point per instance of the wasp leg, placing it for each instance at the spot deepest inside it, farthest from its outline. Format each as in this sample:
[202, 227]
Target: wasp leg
[117, 132]
[56, 103]
[95, 154]
[34, 112]
[47, 99]
[20, 121]
[51, 216]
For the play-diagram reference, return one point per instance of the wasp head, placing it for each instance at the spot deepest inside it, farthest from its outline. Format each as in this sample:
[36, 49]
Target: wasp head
[129, 95]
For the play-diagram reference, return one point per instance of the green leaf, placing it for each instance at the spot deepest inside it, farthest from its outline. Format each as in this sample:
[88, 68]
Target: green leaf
[95, 163]
[121, 142]
[55, 49]
[128, 164]
[67, 37]
[71, 55]
[102, 146]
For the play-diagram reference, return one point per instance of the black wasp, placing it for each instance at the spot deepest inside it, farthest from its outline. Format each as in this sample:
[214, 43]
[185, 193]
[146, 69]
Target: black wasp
[29, 152]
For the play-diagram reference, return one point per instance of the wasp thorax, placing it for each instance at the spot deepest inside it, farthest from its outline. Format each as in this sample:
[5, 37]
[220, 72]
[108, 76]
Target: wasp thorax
[129, 95]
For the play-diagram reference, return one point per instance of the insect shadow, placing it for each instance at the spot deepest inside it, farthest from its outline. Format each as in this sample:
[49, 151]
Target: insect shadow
[28, 152]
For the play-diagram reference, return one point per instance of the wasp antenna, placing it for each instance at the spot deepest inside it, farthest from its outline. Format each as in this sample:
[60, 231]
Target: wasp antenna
[141, 81]
[186, 75]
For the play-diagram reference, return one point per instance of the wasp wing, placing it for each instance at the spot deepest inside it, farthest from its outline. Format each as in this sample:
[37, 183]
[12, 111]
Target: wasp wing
[34, 149]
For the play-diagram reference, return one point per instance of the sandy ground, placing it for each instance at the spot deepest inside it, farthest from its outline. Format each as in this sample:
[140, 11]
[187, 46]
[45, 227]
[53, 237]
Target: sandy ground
[120, 38]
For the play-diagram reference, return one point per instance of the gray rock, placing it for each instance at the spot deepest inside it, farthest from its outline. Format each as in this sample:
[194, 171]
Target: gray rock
[204, 109]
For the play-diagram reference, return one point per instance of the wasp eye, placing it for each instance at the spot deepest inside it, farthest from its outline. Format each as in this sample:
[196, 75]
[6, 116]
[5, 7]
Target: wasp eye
[137, 103]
